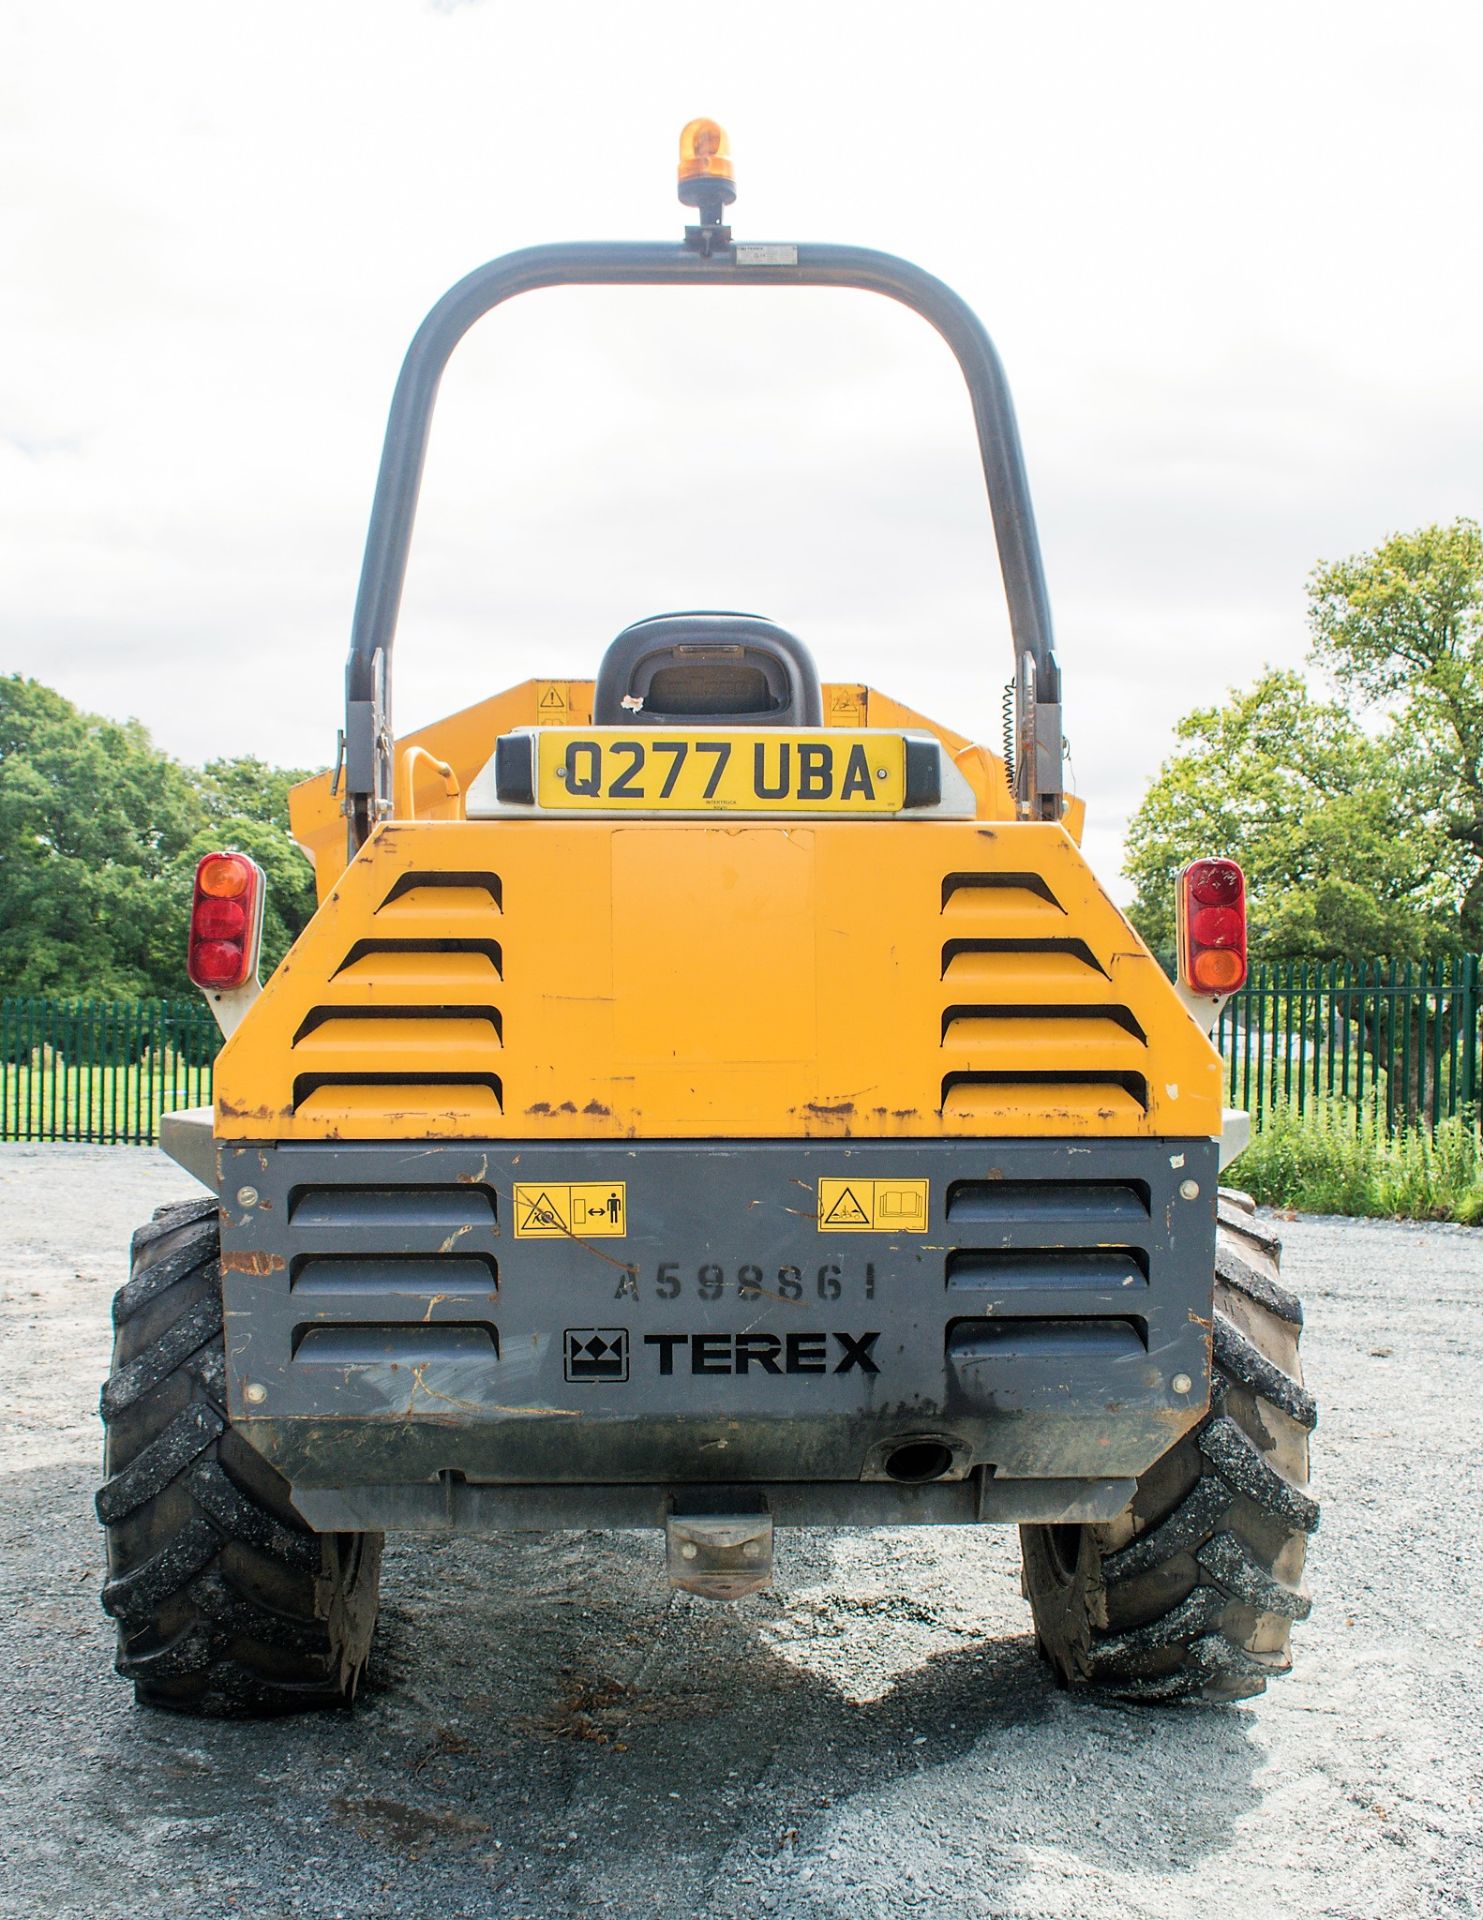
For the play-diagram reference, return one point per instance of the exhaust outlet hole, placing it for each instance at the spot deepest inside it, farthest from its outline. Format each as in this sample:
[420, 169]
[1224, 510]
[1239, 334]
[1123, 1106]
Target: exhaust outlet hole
[919, 1460]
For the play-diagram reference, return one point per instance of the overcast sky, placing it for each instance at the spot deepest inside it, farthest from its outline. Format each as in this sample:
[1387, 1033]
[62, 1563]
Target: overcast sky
[1230, 255]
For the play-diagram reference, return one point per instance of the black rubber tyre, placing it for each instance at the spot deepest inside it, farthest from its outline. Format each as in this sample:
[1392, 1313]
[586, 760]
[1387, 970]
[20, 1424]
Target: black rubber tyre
[1191, 1593]
[227, 1604]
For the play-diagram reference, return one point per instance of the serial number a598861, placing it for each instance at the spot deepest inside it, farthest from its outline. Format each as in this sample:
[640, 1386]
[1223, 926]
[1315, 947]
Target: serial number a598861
[671, 1278]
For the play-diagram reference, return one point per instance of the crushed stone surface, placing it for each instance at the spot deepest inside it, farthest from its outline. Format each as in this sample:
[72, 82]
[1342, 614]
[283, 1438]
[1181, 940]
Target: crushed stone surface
[551, 1732]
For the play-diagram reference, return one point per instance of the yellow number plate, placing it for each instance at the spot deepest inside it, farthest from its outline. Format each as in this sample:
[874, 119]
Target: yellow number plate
[668, 771]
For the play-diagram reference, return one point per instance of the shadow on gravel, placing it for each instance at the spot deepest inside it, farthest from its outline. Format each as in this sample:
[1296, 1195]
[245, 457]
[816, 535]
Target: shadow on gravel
[550, 1732]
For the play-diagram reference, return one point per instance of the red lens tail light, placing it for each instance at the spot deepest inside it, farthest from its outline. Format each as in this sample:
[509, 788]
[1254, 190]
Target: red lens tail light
[226, 922]
[1212, 927]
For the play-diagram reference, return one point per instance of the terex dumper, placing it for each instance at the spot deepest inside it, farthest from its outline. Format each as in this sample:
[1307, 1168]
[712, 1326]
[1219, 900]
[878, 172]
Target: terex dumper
[708, 1099]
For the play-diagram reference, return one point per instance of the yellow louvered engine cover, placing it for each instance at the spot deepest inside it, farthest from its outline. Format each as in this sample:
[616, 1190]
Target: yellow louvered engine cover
[686, 979]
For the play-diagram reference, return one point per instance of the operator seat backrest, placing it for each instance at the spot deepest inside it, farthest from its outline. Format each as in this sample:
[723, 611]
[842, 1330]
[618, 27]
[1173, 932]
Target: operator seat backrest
[707, 669]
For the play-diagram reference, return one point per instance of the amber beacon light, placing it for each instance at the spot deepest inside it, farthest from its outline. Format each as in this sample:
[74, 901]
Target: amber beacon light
[706, 176]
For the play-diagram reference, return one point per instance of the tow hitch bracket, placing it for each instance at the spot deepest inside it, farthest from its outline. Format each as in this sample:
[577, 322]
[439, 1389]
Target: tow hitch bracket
[720, 1556]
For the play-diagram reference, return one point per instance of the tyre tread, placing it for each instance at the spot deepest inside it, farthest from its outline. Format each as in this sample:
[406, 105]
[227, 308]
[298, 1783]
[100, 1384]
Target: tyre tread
[185, 1530]
[1242, 1360]
[1198, 1591]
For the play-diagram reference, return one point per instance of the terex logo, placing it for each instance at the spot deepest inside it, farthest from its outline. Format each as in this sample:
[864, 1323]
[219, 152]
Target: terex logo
[767, 1352]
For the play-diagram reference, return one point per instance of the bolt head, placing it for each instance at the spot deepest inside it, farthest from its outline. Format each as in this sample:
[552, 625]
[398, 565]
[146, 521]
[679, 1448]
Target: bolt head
[254, 1393]
[247, 1196]
[689, 1550]
[1189, 1189]
[751, 1550]
[1181, 1383]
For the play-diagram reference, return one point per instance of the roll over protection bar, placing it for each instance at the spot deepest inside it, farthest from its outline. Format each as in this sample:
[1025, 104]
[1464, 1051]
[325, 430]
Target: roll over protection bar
[368, 738]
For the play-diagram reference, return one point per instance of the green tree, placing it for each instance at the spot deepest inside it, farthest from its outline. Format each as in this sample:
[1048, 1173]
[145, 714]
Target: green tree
[1361, 834]
[100, 832]
[1295, 790]
[92, 819]
[1402, 628]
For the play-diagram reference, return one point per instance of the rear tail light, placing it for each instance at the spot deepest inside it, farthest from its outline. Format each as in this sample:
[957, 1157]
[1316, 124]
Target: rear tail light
[1212, 927]
[226, 922]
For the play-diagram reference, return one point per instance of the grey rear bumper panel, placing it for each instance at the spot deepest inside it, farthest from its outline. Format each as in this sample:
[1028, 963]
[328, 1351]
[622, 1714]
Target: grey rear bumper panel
[409, 1361]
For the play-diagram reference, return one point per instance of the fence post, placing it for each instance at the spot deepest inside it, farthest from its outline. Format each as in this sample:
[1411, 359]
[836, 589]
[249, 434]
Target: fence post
[1438, 1001]
[1407, 1063]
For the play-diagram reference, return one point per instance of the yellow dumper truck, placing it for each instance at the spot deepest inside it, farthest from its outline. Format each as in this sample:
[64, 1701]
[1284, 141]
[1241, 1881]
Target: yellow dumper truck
[712, 1099]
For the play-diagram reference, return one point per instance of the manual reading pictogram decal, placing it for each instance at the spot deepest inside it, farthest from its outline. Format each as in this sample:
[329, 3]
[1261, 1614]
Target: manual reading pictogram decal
[872, 1206]
[847, 706]
[591, 1209]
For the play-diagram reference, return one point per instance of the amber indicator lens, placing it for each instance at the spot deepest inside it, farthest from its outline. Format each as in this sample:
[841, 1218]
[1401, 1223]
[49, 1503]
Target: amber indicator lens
[224, 876]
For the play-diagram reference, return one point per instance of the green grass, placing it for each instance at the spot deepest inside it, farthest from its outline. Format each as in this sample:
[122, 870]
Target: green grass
[1332, 1159]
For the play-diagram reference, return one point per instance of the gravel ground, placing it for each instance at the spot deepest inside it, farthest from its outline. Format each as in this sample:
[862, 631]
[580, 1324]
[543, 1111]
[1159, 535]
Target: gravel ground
[552, 1733]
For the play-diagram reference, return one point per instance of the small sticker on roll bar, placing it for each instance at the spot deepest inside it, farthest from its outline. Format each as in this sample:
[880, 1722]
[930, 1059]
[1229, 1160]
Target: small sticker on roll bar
[766, 254]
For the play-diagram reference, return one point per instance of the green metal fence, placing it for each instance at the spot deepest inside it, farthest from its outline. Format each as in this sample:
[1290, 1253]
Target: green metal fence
[1402, 1036]
[101, 1070]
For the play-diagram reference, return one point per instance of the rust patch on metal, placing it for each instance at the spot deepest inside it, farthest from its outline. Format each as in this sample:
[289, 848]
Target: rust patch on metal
[229, 1112]
[255, 1263]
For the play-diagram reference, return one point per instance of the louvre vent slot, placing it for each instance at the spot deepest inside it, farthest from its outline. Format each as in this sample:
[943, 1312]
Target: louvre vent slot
[965, 889]
[1092, 1208]
[485, 952]
[435, 1209]
[1043, 1089]
[318, 1017]
[1096, 1271]
[1076, 951]
[1010, 1343]
[379, 1345]
[422, 1278]
[405, 1094]
[470, 883]
[1010, 1015]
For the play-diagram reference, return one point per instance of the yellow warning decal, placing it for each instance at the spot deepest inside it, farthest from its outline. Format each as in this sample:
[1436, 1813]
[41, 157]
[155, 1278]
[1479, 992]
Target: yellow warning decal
[553, 701]
[593, 1209]
[872, 1206]
[847, 706]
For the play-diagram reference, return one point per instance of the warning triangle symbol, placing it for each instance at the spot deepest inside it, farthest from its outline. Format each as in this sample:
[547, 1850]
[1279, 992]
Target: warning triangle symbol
[846, 1211]
[542, 1212]
[553, 697]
